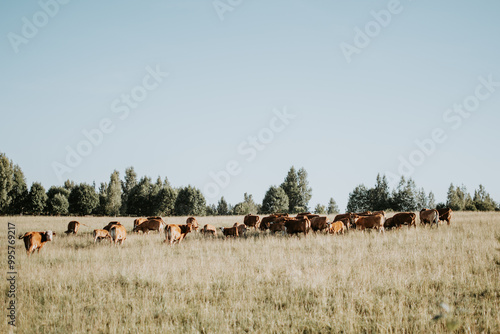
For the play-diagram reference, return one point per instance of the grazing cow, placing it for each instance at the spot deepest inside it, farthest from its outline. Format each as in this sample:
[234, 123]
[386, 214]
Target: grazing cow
[445, 214]
[296, 226]
[252, 221]
[73, 227]
[139, 221]
[101, 234]
[230, 231]
[193, 222]
[404, 218]
[176, 233]
[319, 223]
[336, 227]
[389, 224]
[242, 228]
[266, 222]
[278, 226]
[36, 240]
[118, 233]
[209, 229]
[111, 224]
[429, 216]
[374, 221]
[150, 225]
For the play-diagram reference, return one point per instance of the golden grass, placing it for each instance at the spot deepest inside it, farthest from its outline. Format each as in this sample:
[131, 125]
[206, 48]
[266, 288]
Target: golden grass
[359, 282]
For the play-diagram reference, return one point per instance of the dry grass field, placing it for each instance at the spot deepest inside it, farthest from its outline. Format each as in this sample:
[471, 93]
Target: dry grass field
[260, 283]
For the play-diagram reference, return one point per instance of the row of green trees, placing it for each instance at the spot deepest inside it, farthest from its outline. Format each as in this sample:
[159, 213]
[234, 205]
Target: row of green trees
[142, 197]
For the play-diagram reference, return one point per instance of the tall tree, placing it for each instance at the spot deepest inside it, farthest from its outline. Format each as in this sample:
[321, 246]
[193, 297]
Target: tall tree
[164, 200]
[51, 193]
[332, 207]
[139, 201]
[404, 196]
[190, 201]
[37, 199]
[222, 207]
[358, 199]
[248, 206]
[453, 199]
[304, 189]
[83, 200]
[291, 187]
[431, 201]
[59, 205]
[19, 191]
[6, 184]
[482, 200]
[320, 209]
[421, 200]
[127, 185]
[380, 195]
[275, 200]
[113, 195]
[100, 210]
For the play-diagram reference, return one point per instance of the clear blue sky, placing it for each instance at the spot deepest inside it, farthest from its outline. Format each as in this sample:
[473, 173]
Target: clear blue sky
[351, 121]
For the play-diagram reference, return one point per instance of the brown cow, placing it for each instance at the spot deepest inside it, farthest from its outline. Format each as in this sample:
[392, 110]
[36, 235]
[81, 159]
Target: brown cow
[342, 216]
[429, 216]
[365, 222]
[319, 223]
[73, 227]
[252, 221]
[404, 218]
[230, 231]
[139, 221]
[278, 226]
[176, 233]
[36, 240]
[296, 226]
[266, 222]
[111, 224]
[118, 233]
[209, 229]
[193, 222]
[101, 234]
[445, 215]
[242, 228]
[389, 224]
[150, 225]
[336, 227]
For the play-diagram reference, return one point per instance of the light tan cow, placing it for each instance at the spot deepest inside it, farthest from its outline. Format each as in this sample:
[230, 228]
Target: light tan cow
[193, 222]
[209, 229]
[176, 233]
[336, 227]
[118, 233]
[370, 222]
[101, 234]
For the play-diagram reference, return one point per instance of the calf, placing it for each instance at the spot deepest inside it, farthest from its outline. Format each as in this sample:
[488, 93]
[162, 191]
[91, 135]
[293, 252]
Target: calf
[36, 240]
[230, 231]
[176, 233]
[209, 229]
[101, 234]
[118, 233]
[242, 228]
[336, 227]
[73, 227]
[278, 226]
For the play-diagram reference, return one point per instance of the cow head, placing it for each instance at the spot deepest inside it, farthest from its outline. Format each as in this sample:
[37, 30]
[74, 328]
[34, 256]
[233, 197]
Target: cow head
[222, 229]
[49, 235]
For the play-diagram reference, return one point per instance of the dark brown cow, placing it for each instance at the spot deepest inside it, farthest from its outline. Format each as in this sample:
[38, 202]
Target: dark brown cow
[429, 217]
[319, 223]
[370, 222]
[389, 224]
[101, 234]
[209, 229]
[404, 218]
[150, 225]
[278, 226]
[296, 226]
[445, 215]
[230, 231]
[138, 222]
[252, 221]
[176, 233]
[193, 222]
[34, 241]
[266, 222]
[111, 224]
[342, 216]
[73, 227]
[118, 233]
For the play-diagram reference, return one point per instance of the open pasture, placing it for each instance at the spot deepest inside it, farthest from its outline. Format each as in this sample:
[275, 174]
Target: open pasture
[262, 283]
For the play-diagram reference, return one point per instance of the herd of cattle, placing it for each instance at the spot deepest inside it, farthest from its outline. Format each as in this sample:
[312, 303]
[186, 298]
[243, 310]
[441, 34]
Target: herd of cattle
[302, 223]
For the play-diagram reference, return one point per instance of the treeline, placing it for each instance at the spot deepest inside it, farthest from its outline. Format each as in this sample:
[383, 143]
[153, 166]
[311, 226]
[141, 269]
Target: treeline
[407, 197]
[133, 196]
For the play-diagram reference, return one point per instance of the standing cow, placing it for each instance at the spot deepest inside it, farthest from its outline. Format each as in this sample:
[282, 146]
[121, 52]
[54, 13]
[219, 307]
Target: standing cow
[73, 227]
[429, 217]
[34, 241]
